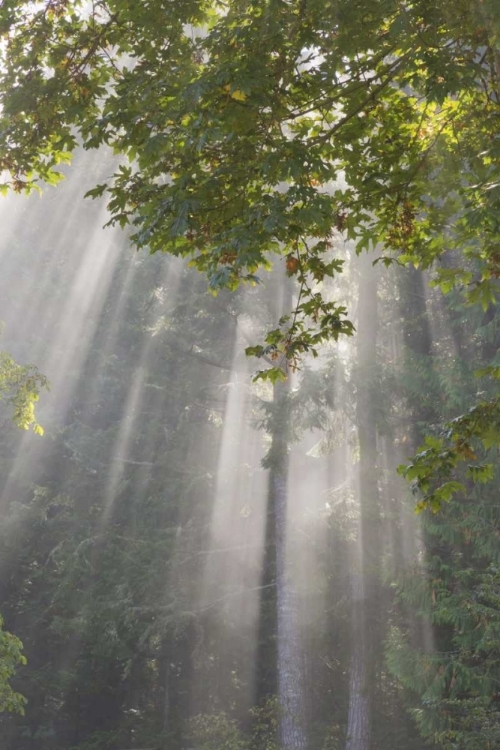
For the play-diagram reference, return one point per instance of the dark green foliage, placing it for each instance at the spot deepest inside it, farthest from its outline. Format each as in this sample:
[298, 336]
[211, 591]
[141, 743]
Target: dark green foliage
[453, 673]
[232, 155]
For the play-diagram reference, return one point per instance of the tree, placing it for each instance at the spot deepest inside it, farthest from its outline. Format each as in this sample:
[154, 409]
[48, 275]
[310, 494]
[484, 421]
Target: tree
[20, 387]
[450, 590]
[353, 119]
[395, 97]
[10, 658]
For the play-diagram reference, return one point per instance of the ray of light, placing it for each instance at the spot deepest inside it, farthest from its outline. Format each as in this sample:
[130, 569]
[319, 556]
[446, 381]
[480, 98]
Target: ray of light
[233, 558]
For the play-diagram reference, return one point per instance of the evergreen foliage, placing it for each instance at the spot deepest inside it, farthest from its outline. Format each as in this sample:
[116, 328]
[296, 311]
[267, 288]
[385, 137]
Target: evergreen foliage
[452, 591]
[105, 529]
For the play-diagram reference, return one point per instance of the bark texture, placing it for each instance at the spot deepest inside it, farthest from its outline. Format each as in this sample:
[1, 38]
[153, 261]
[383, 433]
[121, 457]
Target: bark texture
[289, 663]
[358, 720]
[364, 577]
[290, 672]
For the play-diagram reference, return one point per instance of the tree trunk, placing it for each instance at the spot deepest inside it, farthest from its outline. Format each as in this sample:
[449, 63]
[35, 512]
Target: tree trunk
[289, 660]
[364, 579]
[358, 720]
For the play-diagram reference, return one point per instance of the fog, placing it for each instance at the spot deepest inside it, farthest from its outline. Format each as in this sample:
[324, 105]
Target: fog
[193, 559]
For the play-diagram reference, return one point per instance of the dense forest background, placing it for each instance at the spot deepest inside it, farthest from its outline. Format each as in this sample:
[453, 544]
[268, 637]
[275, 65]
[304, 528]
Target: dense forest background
[137, 540]
[256, 508]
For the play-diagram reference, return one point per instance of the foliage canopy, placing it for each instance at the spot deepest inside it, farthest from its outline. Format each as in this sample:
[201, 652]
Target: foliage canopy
[233, 156]
[263, 129]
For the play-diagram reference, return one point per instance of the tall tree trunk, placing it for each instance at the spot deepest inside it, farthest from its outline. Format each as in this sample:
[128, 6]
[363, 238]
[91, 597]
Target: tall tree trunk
[289, 659]
[364, 576]
[358, 719]
[279, 604]
[418, 341]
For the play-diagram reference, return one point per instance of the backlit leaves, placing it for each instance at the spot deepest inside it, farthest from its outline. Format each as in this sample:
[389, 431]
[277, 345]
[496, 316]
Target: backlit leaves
[20, 387]
[11, 658]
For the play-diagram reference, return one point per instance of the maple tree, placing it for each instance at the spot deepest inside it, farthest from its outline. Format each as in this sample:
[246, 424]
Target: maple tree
[264, 131]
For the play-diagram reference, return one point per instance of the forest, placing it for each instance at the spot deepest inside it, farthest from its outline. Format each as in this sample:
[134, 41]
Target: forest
[249, 365]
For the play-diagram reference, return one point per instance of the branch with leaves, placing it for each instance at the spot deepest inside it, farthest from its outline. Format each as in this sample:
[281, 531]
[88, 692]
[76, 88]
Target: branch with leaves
[20, 387]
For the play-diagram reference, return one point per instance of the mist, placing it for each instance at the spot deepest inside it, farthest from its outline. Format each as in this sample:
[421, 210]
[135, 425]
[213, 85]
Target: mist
[191, 558]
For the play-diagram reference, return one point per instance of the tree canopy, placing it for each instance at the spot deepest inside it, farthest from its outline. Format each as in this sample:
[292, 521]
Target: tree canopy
[263, 131]
[239, 122]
